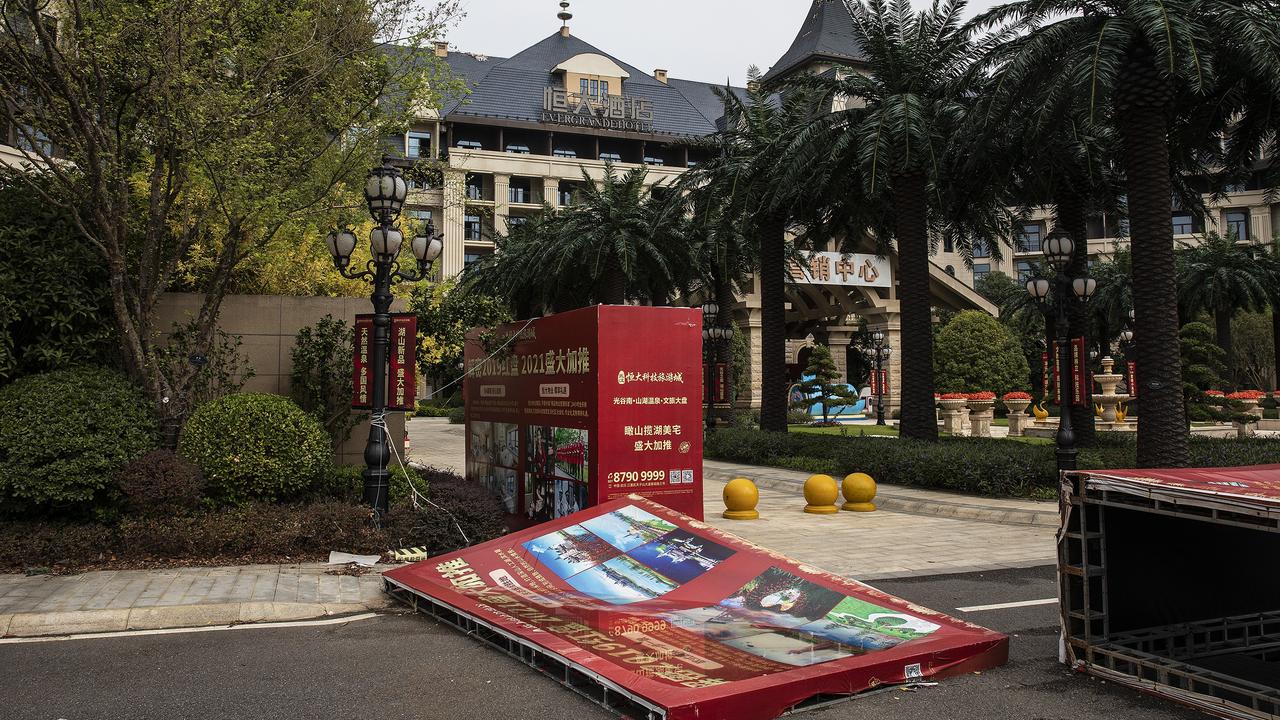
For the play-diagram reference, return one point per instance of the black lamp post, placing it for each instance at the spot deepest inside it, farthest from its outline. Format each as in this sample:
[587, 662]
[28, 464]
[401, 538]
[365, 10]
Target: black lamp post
[878, 351]
[713, 338]
[384, 191]
[1058, 250]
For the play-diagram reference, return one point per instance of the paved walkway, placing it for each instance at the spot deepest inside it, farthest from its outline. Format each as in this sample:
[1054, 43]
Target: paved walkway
[108, 601]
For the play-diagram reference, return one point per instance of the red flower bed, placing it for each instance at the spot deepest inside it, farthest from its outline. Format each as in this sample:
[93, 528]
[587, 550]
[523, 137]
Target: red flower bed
[984, 395]
[1247, 395]
[1016, 395]
[953, 396]
[1214, 393]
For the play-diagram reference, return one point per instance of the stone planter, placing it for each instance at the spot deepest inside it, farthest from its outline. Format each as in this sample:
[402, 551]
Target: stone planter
[980, 414]
[1251, 408]
[1018, 417]
[953, 414]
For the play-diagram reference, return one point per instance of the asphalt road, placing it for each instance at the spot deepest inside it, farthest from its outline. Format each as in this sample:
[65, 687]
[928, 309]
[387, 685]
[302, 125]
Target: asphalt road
[402, 666]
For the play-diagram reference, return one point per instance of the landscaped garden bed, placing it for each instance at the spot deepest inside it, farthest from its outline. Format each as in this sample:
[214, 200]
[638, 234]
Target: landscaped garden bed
[979, 466]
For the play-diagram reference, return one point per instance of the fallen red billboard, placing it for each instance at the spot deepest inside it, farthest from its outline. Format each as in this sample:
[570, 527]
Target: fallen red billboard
[685, 620]
[570, 410]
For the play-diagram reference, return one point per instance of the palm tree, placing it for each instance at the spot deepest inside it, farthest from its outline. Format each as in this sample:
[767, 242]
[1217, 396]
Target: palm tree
[1221, 276]
[877, 161]
[1111, 304]
[756, 133]
[1214, 65]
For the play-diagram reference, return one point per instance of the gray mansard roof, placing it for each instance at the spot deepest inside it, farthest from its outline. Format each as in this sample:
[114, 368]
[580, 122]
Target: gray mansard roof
[511, 88]
[827, 34]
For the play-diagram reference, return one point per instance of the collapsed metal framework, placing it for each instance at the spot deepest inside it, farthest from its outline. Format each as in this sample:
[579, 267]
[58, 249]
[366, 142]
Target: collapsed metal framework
[1170, 660]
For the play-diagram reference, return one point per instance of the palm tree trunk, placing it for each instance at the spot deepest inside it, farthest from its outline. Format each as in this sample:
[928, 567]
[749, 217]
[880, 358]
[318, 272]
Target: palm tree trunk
[1162, 427]
[1071, 218]
[724, 349]
[1222, 334]
[918, 418]
[773, 330]
[613, 281]
[1275, 344]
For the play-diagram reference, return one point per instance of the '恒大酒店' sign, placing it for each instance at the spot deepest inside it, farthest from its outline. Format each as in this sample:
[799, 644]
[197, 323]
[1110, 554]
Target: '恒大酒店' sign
[607, 112]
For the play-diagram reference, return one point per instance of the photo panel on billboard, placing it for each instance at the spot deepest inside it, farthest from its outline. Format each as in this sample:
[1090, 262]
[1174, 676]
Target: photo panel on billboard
[629, 527]
[571, 550]
[680, 555]
[622, 580]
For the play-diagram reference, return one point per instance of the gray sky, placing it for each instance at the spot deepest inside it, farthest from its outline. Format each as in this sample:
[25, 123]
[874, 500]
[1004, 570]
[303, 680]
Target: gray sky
[705, 40]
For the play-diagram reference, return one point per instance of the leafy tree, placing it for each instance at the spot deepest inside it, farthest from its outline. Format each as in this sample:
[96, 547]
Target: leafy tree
[877, 162]
[1203, 360]
[321, 378]
[975, 353]
[445, 313]
[822, 387]
[181, 129]
[54, 301]
[1183, 83]
[1220, 276]
[1252, 349]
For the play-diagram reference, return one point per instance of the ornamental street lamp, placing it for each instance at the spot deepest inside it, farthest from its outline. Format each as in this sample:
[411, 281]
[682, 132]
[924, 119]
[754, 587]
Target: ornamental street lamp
[1058, 250]
[713, 338]
[877, 353]
[384, 192]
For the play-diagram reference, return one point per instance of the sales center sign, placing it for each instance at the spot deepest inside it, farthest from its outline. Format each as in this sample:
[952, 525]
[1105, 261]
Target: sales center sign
[585, 406]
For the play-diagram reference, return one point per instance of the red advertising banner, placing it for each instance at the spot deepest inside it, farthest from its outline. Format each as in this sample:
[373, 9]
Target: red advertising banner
[361, 359]
[571, 410]
[720, 385]
[1081, 393]
[879, 381]
[1132, 379]
[689, 621]
[402, 372]
[1048, 384]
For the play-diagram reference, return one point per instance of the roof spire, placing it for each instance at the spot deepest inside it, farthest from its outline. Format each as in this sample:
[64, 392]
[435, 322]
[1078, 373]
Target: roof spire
[565, 16]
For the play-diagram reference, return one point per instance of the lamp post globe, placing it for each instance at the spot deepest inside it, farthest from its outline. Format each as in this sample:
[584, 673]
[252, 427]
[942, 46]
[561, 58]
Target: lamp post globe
[385, 192]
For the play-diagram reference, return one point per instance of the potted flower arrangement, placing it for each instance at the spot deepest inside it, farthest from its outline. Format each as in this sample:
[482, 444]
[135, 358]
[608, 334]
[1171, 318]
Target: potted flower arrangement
[982, 401]
[1016, 402]
[1250, 399]
[953, 401]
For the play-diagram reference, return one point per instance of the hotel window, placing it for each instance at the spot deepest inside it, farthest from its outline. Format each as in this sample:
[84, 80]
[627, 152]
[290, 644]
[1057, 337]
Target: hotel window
[23, 140]
[422, 216]
[516, 221]
[981, 250]
[471, 228]
[582, 87]
[419, 145]
[471, 255]
[980, 270]
[604, 88]
[950, 269]
[518, 149]
[595, 88]
[1183, 223]
[1238, 224]
[1029, 238]
[564, 152]
[1024, 271]
[470, 145]
[610, 157]
[654, 161]
[948, 246]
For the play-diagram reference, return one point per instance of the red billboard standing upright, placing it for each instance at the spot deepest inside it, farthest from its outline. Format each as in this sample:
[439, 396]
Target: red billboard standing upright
[568, 411]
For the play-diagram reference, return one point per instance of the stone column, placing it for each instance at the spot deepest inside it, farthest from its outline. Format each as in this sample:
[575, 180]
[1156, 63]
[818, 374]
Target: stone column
[452, 217]
[501, 202]
[750, 327]
[1260, 223]
[550, 188]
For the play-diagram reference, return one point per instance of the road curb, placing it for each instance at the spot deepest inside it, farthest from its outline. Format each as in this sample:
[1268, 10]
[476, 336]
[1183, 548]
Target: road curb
[962, 508]
[172, 616]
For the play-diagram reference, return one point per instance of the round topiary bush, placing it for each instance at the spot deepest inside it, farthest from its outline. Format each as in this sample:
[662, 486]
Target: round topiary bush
[63, 436]
[255, 446]
[974, 352]
[160, 483]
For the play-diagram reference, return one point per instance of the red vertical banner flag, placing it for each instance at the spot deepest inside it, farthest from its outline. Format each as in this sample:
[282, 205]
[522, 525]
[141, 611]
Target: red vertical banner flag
[1132, 379]
[879, 382]
[1080, 393]
[720, 385]
[1045, 384]
[361, 372]
[401, 373]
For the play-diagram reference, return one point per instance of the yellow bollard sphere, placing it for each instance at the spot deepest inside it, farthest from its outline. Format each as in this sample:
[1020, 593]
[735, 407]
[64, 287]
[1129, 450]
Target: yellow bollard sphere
[859, 490]
[740, 498]
[820, 492]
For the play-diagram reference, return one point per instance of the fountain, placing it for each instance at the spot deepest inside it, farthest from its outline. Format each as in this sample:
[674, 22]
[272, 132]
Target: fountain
[1109, 398]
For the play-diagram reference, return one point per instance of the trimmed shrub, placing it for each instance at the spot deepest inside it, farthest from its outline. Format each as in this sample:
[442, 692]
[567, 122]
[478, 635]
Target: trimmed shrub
[63, 437]
[457, 416]
[256, 447]
[457, 507]
[160, 482]
[974, 352]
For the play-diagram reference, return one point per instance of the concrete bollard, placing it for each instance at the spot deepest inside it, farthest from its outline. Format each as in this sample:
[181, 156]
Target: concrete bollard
[740, 499]
[859, 490]
[820, 492]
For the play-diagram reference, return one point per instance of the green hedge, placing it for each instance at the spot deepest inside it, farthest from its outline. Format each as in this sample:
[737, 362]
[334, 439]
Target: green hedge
[255, 446]
[980, 466]
[63, 437]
